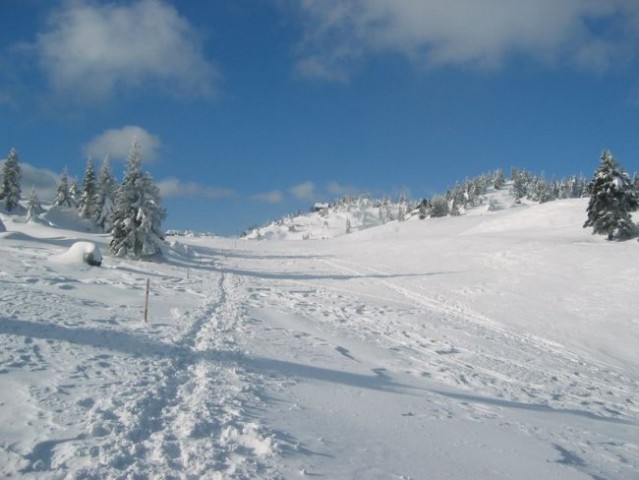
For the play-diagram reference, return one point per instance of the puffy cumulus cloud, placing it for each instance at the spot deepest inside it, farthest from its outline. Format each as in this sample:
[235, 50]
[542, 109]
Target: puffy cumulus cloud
[116, 143]
[274, 196]
[303, 191]
[338, 34]
[93, 49]
[173, 188]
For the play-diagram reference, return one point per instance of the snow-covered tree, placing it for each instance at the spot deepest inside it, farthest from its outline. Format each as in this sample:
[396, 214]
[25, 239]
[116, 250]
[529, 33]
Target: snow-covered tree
[138, 215]
[74, 192]
[521, 180]
[349, 227]
[499, 179]
[540, 190]
[401, 212]
[612, 199]
[423, 209]
[62, 194]
[34, 208]
[439, 206]
[105, 197]
[11, 175]
[88, 200]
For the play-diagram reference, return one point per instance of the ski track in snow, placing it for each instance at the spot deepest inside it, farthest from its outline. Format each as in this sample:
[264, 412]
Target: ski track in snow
[133, 405]
[191, 394]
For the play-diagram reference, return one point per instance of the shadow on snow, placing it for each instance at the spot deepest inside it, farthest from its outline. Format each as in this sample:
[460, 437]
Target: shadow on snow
[138, 345]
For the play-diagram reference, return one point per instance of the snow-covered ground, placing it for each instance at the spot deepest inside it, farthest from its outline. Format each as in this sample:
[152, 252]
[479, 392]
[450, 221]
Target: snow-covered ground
[496, 345]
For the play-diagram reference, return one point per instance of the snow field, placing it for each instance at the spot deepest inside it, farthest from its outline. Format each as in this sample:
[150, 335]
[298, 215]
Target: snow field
[497, 345]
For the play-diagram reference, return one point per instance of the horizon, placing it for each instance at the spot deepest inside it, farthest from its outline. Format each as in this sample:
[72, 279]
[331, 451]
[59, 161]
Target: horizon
[247, 111]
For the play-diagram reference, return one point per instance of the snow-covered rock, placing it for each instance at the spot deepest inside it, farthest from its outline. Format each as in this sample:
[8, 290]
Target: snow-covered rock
[81, 252]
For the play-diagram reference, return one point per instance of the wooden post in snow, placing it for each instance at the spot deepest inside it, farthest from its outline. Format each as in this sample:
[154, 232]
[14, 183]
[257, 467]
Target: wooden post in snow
[146, 301]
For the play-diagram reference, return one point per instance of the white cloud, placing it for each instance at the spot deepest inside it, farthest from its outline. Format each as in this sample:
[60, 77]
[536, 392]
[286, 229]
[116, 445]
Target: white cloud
[172, 188]
[116, 143]
[274, 196]
[93, 49]
[303, 191]
[339, 34]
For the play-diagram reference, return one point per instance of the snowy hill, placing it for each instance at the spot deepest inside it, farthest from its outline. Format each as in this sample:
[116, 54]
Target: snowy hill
[498, 344]
[331, 220]
[350, 215]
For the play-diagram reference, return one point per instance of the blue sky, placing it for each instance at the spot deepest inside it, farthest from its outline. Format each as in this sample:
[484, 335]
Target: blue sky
[250, 109]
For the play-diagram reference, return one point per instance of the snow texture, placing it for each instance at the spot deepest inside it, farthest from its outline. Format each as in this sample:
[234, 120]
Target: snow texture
[497, 345]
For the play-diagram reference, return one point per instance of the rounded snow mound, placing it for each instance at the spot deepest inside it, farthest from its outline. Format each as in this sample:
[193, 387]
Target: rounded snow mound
[66, 218]
[81, 252]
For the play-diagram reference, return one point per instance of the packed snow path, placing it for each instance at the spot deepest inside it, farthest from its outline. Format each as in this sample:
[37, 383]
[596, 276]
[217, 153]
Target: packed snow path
[363, 357]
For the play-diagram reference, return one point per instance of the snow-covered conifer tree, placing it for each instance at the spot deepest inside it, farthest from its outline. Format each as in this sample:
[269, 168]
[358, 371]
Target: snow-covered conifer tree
[499, 179]
[11, 175]
[62, 195]
[612, 199]
[439, 206]
[88, 200]
[74, 192]
[105, 197]
[423, 209]
[349, 227]
[138, 215]
[401, 212]
[520, 184]
[34, 208]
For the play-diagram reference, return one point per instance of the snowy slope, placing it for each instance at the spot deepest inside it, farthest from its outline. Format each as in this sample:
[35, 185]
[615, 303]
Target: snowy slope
[337, 219]
[495, 345]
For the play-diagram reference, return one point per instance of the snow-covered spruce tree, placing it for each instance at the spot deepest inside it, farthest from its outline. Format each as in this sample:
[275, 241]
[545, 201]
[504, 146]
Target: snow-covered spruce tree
[34, 208]
[62, 194]
[74, 192]
[612, 199]
[105, 197]
[88, 200]
[11, 175]
[138, 215]
[423, 209]
[520, 184]
[401, 212]
[499, 179]
[439, 206]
